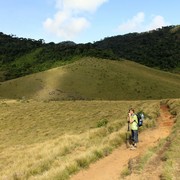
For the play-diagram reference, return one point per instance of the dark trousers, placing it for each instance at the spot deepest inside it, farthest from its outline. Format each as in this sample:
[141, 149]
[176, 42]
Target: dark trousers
[134, 136]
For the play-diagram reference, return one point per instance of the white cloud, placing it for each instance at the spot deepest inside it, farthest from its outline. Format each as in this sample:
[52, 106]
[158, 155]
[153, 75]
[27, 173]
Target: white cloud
[65, 26]
[157, 22]
[138, 23]
[70, 20]
[133, 24]
[80, 5]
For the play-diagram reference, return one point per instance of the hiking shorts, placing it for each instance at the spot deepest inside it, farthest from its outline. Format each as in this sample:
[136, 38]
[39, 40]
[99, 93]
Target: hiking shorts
[134, 136]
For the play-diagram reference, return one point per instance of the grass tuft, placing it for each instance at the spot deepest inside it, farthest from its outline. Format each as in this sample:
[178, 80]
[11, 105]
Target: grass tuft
[102, 122]
[82, 162]
[125, 172]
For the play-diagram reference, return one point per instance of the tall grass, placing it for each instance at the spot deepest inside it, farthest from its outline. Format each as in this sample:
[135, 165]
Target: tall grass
[171, 157]
[40, 140]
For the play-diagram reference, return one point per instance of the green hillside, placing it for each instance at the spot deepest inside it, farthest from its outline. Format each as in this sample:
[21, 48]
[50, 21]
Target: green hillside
[95, 79]
[158, 49]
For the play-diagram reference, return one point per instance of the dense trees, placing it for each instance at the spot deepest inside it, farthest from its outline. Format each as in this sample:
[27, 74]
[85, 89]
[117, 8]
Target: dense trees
[19, 57]
[158, 48]
[12, 47]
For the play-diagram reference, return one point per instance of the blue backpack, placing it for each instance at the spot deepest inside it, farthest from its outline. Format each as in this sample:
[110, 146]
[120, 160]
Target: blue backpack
[140, 117]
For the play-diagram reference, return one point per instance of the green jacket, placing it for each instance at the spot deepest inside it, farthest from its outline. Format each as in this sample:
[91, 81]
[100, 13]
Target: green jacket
[134, 124]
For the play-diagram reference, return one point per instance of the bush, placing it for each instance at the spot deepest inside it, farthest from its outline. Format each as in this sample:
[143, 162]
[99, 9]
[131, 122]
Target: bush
[82, 162]
[102, 122]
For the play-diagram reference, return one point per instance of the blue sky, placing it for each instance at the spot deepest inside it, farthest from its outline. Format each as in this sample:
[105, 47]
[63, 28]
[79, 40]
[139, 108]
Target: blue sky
[84, 21]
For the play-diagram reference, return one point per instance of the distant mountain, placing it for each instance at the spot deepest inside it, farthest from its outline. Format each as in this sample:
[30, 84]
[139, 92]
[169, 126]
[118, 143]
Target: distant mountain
[158, 48]
[94, 79]
[21, 56]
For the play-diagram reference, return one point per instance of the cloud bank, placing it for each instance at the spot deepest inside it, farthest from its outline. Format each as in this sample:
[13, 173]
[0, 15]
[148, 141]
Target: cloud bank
[138, 23]
[71, 17]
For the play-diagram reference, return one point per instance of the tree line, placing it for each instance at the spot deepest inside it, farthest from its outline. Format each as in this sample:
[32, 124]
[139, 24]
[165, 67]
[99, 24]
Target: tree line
[21, 56]
[158, 48]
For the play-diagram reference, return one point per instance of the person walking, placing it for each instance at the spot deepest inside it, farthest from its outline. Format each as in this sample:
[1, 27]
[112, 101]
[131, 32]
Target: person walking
[133, 120]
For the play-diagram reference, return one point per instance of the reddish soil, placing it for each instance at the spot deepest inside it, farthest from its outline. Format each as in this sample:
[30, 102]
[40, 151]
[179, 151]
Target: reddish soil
[110, 167]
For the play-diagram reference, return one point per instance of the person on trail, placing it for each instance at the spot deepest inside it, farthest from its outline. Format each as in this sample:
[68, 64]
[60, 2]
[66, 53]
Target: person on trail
[133, 120]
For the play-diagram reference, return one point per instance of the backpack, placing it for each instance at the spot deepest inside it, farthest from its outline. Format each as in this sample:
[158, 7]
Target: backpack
[140, 117]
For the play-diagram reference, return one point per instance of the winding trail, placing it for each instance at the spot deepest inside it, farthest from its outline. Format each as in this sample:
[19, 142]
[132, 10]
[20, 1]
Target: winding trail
[110, 167]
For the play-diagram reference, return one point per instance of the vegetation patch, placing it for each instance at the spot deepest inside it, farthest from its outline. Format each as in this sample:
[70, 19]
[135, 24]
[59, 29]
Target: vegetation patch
[171, 158]
[158, 48]
[94, 79]
[102, 122]
[55, 139]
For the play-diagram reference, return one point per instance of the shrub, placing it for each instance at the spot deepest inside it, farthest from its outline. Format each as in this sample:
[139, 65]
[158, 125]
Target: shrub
[98, 153]
[82, 162]
[102, 122]
[125, 172]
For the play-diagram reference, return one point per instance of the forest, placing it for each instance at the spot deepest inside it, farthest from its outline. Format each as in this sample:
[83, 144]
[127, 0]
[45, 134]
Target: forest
[158, 48]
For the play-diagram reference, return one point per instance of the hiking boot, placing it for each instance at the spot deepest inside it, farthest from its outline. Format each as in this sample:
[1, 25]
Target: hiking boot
[132, 148]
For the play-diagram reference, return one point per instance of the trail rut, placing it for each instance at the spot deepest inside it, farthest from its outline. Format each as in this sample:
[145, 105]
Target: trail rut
[110, 167]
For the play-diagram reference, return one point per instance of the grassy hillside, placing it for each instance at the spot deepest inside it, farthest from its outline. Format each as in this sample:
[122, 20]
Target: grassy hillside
[91, 78]
[40, 140]
[158, 48]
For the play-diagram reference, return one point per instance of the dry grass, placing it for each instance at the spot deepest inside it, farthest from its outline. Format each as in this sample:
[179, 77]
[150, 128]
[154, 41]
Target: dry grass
[169, 149]
[52, 140]
[97, 79]
[172, 157]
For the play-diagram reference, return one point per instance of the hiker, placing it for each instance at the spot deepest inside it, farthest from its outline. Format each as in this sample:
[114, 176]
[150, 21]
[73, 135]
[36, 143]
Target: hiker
[133, 120]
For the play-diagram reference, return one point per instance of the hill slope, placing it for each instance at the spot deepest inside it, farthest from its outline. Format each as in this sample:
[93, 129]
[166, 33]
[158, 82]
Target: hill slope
[91, 78]
[158, 48]
[40, 140]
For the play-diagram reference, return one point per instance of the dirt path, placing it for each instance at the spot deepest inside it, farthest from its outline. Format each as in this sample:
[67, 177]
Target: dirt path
[110, 167]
